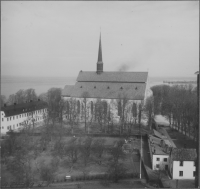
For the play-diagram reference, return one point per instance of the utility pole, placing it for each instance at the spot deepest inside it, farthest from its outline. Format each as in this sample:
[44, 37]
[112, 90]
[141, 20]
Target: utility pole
[197, 179]
[140, 109]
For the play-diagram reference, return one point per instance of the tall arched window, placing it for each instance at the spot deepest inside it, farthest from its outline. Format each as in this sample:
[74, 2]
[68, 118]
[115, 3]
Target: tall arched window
[95, 113]
[78, 107]
[119, 108]
[91, 107]
[134, 110]
[105, 107]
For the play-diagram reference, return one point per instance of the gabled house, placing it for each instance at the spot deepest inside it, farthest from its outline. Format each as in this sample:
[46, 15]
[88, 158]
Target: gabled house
[159, 153]
[182, 163]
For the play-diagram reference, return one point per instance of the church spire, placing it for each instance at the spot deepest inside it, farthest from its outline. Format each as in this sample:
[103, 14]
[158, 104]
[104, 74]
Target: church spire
[100, 51]
[100, 60]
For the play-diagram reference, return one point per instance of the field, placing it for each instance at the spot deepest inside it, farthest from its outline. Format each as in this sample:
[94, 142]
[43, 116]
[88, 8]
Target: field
[92, 168]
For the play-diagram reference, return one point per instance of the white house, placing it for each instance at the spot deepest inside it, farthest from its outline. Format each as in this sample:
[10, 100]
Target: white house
[182, 163]
[13, 117]
[159, 153]
[109, 87]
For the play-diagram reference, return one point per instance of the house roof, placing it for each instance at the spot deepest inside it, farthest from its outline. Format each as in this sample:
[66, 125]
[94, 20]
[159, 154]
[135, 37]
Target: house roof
[106, 90]
[183, 154]
[23, 108]
[130, 77]
[155, 144]
[156, 133]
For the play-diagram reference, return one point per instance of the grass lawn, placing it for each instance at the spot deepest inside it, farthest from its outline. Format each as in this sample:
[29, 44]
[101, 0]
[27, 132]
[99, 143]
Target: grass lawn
[179, 139]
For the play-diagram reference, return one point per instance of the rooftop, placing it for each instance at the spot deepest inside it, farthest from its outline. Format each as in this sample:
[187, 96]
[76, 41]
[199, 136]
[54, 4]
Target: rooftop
[156, 147]
[106, 90]
[116, 77]
[183, 154]
[17, 109]
[159, 135]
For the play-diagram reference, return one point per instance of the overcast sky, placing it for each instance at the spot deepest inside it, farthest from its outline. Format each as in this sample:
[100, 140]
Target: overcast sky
[49, 38]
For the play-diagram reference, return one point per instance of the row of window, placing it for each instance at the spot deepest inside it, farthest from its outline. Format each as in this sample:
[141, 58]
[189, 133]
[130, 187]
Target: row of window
[158, 166]
[80, 108]
[181, 173]
[25, 122]
[158, 159]
[24, 115]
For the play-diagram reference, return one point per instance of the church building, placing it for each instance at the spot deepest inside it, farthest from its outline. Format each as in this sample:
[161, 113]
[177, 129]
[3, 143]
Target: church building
[121, 91]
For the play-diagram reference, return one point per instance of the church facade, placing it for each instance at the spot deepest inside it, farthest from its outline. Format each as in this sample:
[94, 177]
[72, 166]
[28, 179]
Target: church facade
[122, 93]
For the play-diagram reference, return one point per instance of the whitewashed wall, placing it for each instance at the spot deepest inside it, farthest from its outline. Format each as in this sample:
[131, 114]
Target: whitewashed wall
[13, 122]
[113, 103]
[188, 168]
[161, 162]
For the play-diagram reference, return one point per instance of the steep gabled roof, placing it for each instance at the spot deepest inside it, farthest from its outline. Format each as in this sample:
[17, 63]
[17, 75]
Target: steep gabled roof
[159, 135]
[100, 59]
[23, 108]
[106, 90]
[130, 77]
[183, 154]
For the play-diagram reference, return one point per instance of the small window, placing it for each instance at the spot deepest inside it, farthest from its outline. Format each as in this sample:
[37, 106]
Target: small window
[8, 127]
[157, 159]
[17, 125]
[13, 117]
[157, 165]
[7, 119]
[10, 118]
[165, 159]
[180, 173]
[2, 127]
[181, 163]
[194, 173]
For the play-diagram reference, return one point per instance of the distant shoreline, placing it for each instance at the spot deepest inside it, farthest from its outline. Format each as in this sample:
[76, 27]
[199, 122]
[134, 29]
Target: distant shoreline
[12, 84]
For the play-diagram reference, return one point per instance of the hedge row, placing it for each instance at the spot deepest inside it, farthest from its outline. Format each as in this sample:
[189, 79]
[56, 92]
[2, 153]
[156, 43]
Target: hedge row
[97, 177]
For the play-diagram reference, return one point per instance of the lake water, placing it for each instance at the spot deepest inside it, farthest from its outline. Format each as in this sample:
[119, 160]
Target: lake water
[11, 84]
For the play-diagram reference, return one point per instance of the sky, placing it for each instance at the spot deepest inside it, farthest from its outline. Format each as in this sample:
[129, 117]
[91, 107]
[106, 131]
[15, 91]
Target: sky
[51, 38]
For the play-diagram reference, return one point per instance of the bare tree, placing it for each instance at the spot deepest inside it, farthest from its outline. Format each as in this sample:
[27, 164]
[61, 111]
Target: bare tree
[86, 149]
[73, 113]
[72, 151]
[87, 114]
[98, 148]
[149, 110]
[116, 169]
[3, 100]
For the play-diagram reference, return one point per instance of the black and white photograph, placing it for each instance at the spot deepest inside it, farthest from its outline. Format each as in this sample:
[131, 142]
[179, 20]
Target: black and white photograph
[99, 94]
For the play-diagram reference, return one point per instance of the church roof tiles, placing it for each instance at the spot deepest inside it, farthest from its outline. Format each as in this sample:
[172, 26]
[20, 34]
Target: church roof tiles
[106, 90]
[124, 77]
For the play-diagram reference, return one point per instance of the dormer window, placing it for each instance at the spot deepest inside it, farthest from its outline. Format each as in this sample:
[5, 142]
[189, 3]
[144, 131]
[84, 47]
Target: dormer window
[135, 88]
[108, 87]
[121, 88]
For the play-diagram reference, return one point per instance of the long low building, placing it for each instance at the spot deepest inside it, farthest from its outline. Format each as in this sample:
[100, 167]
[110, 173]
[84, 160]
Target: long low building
[14, 117]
